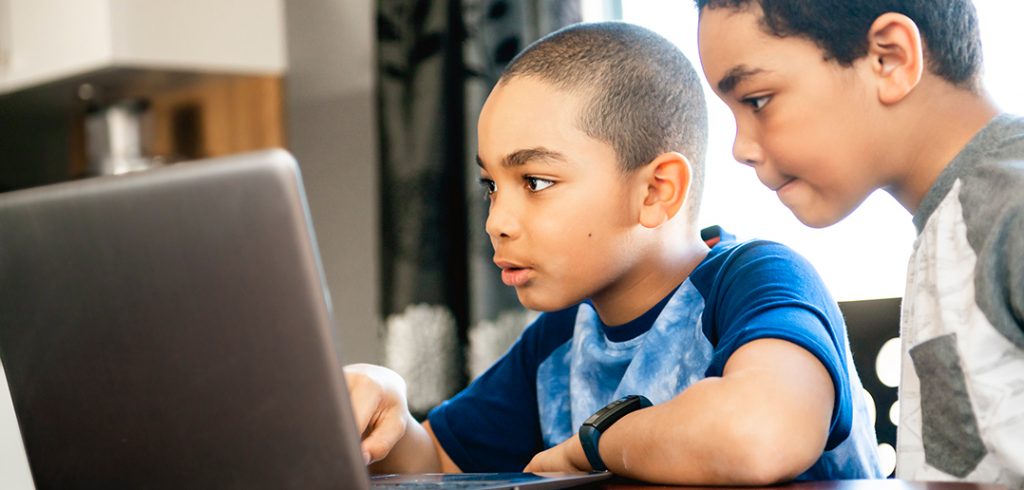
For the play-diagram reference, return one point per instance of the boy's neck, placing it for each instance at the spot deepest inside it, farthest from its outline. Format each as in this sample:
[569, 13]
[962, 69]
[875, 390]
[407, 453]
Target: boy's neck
[655, 276]
[932, 133]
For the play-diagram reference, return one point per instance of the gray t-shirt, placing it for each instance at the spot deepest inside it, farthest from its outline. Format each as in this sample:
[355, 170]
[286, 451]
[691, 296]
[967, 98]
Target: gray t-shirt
[962, 385]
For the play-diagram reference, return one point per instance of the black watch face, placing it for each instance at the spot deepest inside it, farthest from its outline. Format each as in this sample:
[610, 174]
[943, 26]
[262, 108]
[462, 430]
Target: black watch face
[592, 420]
[615, 410]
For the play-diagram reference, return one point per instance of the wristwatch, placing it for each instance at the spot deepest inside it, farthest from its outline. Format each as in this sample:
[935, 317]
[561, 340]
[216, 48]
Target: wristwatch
[590, 431]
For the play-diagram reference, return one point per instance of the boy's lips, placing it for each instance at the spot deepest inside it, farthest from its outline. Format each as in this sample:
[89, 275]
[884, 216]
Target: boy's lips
[513, 274]
[515, 277]
[778, 187]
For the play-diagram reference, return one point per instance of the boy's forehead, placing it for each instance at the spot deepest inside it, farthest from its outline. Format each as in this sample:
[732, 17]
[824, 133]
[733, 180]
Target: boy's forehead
[725, 34]
[526, 108]
[526, 120]
[531, 88]
[734, 48]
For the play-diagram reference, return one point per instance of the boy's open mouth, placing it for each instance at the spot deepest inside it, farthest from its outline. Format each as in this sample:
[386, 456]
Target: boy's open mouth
[513, 274]
[515, 277]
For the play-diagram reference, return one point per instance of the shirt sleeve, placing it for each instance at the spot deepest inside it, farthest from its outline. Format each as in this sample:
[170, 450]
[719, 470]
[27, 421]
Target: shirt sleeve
[765, 290]
[1014, 280]
[494, 424]
[999, 280]
[1000, 295]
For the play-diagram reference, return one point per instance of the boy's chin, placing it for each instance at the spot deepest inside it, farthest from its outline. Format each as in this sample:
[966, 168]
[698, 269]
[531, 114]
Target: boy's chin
[532, 301]
[816, 221]
[820, 218]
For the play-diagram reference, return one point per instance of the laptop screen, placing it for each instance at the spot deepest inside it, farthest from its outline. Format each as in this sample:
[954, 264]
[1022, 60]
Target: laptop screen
[170, 327]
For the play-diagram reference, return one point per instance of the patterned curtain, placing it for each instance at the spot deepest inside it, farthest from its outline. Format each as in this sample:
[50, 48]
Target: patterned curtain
[447, 315]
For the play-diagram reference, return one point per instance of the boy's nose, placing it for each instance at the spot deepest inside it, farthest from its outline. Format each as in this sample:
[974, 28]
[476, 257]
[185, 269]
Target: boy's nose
[746, 150]
[501, 221]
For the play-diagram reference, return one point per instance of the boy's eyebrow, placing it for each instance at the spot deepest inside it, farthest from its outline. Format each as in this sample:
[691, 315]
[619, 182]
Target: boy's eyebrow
[519, 158]
[734, 76]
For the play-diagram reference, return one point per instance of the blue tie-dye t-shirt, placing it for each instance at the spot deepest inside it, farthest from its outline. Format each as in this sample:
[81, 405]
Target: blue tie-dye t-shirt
[567, 364]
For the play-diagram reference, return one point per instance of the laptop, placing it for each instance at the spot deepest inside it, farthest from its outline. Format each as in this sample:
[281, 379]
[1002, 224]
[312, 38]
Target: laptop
[172, 329]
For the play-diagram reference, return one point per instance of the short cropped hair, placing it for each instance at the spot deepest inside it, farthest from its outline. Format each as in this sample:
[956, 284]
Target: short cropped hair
[643, 97]
[949, 29]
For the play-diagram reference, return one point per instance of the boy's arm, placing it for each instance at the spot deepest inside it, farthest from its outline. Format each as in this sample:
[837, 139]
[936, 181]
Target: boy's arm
[765, 420]
[392, 440]
[414, 453]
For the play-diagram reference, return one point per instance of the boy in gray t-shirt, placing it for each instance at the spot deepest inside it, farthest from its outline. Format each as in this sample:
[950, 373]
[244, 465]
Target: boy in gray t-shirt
[834, 99]
[962, 316]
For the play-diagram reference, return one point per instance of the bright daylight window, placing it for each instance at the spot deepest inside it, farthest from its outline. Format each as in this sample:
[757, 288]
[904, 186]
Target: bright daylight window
[864, 256]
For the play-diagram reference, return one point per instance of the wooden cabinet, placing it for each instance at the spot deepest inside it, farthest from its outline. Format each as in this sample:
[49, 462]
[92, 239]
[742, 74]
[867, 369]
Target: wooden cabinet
[210, 72]
[194, 116]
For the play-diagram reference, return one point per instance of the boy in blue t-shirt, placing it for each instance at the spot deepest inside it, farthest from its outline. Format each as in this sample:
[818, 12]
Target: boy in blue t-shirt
[591, 150]
[834, 99]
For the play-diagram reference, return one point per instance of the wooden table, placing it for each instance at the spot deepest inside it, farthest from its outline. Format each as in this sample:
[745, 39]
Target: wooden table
[622, 484]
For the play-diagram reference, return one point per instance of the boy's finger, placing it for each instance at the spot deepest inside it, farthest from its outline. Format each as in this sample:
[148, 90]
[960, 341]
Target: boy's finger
[365, 402]
[377, 445]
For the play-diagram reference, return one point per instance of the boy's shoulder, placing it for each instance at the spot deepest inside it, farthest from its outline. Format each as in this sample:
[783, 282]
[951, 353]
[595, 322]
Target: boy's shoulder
[732, 259]
[737, 276]
[725, 247]
[997, 173]
[987, 175]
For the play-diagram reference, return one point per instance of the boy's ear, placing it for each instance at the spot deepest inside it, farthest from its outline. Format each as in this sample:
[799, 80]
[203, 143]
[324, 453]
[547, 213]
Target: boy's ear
[896, 53]
[667, 180]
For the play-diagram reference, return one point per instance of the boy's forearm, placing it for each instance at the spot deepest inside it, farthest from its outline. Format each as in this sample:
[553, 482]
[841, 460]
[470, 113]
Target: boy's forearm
[748, 428]
[691, 441]
[414, 453]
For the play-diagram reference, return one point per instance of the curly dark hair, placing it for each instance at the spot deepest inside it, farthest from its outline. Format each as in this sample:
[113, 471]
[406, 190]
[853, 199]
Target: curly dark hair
[949, 29]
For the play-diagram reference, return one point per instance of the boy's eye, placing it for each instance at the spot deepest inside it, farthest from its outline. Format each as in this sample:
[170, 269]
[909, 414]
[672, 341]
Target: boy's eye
[757, 103]
[488, 185]
[537, 184]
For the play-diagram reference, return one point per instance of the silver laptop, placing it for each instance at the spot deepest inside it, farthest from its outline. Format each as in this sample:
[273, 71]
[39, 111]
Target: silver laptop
[171, 329]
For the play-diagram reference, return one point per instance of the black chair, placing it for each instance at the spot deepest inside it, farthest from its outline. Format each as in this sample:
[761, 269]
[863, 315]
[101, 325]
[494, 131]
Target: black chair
[870, 324]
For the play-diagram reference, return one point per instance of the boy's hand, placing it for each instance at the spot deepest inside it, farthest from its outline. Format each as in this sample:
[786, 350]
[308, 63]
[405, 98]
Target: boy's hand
[379, 405]
[567, 456]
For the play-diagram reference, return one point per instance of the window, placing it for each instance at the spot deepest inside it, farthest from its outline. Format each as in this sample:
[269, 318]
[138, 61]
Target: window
[864, 256]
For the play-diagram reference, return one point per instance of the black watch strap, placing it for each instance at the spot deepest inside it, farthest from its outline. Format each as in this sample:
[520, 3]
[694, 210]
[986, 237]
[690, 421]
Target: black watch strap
[592, 428]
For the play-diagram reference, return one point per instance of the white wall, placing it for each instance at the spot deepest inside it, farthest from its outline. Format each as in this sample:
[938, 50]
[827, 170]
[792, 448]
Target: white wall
[14, 472]
[223, 35]
[48, 40]
[331, 130]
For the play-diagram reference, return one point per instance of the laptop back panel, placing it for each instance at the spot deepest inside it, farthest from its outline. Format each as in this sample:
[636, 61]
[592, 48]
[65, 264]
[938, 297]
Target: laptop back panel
[171, 329]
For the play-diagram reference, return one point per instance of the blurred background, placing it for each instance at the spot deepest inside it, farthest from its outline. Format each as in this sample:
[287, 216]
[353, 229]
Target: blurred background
[377, 100]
